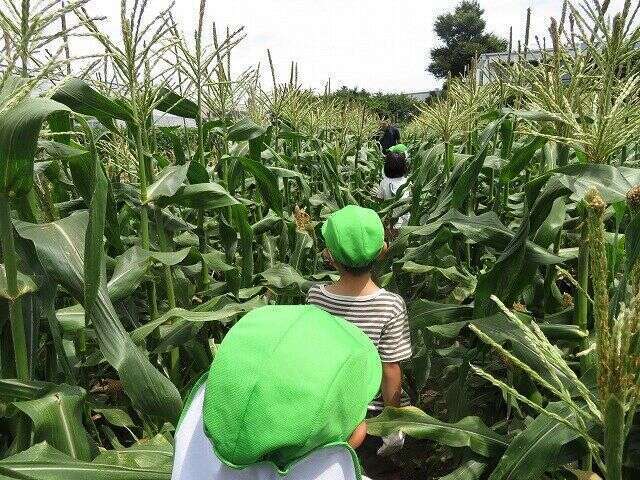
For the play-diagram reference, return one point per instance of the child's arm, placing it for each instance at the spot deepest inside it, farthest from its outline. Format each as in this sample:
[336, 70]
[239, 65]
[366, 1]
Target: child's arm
[391, 384]
[394, 346]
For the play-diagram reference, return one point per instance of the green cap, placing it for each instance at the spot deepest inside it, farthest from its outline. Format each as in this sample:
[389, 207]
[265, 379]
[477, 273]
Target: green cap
[354, 235]
[285, 381]
[399, 148]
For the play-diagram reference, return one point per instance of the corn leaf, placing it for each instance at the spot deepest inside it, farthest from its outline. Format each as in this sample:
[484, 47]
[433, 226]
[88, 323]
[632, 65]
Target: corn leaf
[19, 131]
[536, 449]
[59, 246]
[57, 419]
[469, 432]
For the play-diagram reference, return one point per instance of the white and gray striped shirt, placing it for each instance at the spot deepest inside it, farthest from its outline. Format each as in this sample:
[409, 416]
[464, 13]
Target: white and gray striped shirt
[382, 316]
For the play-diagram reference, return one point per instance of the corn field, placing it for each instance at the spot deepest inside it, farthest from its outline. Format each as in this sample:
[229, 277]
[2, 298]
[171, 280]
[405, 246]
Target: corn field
[129, 248]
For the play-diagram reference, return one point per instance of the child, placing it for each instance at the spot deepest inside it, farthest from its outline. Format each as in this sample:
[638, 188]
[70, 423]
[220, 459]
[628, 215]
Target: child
[285, 398]
[395, 176]
[355, 239]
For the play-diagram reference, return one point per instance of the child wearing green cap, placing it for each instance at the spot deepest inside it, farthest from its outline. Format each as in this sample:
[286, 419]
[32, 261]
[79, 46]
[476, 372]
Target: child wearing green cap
[355, 239]
[285, 398]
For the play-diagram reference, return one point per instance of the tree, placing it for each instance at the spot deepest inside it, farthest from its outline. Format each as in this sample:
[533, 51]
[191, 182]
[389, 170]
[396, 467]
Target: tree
[397, 107]
[463, 35]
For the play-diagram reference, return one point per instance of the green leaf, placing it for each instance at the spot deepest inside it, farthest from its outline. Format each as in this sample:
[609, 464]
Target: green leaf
[244, 129]
[154, 454]
[25, 285]
[43, 462]
[267, 183]
[301, 179]
[80, 97]
[170, 102]
[132, 266]
[19, 130]
[612, 183]
[12, 389]
[282, 277]
[486, 229]
[223, 315]
[201, 195]
[59, 248]
[471, 470]
[521, 157]
[536, 449]
[71, 318]
[168, 182]
[57, 419]
[115, 416]
[469, 432]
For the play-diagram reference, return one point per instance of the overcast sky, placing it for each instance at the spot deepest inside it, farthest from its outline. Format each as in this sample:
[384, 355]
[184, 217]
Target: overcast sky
[379, 45]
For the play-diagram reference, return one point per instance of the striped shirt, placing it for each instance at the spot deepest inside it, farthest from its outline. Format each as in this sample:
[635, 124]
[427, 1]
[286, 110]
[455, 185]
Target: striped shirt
[382, 316]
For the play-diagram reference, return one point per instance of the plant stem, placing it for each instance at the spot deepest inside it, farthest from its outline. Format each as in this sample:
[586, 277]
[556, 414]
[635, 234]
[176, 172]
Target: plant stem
[15, 305]
[582, 302]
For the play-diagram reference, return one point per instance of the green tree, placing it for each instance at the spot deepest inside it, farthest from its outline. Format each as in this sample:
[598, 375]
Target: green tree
[397, 107]
[463, 35]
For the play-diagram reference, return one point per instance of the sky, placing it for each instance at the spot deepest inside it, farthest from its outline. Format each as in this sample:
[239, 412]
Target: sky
[378, 45]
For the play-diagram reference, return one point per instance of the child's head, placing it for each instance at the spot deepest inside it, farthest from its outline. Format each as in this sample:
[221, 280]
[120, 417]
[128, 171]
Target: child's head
[287, 380]
[395, 165]
[355, 239]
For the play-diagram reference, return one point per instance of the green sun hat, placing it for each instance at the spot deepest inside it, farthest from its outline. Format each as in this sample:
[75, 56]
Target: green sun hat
[354, 235]
[287, 380]
[399, 148]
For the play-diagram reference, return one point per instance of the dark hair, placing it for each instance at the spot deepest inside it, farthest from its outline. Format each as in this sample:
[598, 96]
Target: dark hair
[358, 270]
[395, 165]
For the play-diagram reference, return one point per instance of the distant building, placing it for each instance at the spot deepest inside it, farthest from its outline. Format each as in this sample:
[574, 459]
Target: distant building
[487, 62]
[424, 96]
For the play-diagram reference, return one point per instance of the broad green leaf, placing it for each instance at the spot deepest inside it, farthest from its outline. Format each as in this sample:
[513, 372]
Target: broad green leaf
[244, 129]
[132, 266]
[71, 318]
[224, 315]
[59, 246]
[469, 432]
[486, 229]
[536, 449]
[612, 183]
[168, 182]
[508, 276]
[201, 195]
[465, 282]
[267, 183]
[300, 178]
[425, 313]
[521, 157]
[25, 285]
[43, 462]
[155, 453]
[62, 150]
[170, 102]
[115, 416]
[57, 419]
[19, 130]
[216, 260]
[283, 277]
[12, 389]
[471, 470]
[185, 327]
[80, 97]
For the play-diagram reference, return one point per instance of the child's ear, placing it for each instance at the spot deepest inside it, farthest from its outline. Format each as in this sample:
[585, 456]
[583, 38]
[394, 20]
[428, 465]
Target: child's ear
[384, 250]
